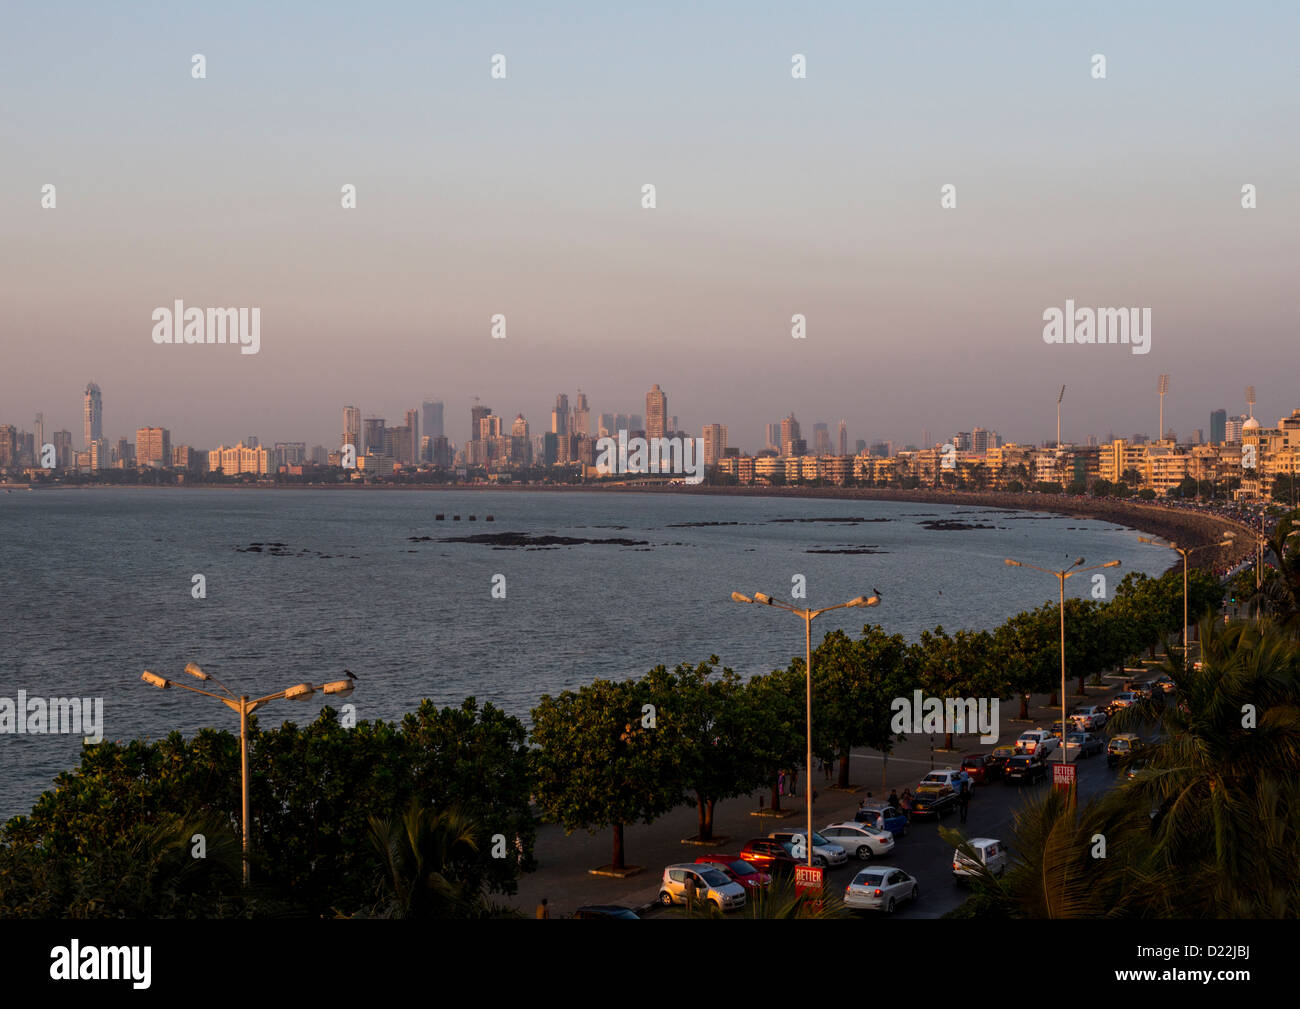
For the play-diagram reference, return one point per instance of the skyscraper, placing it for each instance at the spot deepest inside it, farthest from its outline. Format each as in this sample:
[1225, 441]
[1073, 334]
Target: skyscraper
[581, 416]
[432, 417]
[352, 428]
[560, 415]
[1218, 426]
[715, 443]
[374, 430]
[821, 439]
[789, 435]
[93, 414]
[656, 413]
[476, 415]
[413, 422]
[153, 447]
[38, 433]
[774, 437]
[844, 436]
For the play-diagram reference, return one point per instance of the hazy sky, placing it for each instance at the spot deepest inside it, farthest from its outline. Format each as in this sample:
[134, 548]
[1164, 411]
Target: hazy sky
[775, 196]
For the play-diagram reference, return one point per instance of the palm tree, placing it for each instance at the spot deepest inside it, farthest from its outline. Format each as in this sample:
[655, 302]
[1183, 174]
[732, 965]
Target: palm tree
[420, 851]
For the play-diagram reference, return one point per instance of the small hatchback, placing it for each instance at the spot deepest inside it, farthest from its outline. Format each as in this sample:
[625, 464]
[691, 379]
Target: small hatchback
[992, 853]
[880, 889]
[711, 885]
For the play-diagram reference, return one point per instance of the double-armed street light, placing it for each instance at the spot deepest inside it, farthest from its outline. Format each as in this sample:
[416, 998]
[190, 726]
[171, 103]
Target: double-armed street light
[245, 707]
[1185, 551]
[808, 616]
[1061, 576]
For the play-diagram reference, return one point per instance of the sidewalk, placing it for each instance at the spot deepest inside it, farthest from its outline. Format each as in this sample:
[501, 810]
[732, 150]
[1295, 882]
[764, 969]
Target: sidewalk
[563, 877]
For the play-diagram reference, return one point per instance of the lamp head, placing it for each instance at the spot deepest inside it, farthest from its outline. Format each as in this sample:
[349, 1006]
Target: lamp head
[193, 669]
[162, 683]
[763, 597]
[1012, 564]
[736, 597]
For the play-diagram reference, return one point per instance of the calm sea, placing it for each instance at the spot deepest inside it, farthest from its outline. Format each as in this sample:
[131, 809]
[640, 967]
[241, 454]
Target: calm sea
[95, 587]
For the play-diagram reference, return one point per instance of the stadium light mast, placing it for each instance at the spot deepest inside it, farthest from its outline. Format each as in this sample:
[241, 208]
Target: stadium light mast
[1058, 416]
[1250, 400]
[1162, 387]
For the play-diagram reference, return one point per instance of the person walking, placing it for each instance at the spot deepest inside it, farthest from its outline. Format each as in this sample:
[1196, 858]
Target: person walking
[690, 892]
[543, 911]
[905, 804]
[780, 783]
[792, 781]
[893, 797]
[963, 803]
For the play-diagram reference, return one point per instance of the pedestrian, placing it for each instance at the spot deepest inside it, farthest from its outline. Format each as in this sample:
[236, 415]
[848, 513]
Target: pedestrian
[963, 803]
[905, 803]
[814, 796]
[893, 797]
[827, 764]
[690, 892]
[792, 782]
[780, 783]
[543, 911]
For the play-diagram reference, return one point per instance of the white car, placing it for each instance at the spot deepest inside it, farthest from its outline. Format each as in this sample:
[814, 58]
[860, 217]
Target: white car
[956, 780]
[711, 884]
[825, 851]
[1090, 718]
[992, 853]
[1038, 741]
[865, 841]
[880, 889]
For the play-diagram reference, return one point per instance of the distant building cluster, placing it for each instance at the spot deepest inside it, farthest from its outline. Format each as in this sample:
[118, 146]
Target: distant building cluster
[1239, 453]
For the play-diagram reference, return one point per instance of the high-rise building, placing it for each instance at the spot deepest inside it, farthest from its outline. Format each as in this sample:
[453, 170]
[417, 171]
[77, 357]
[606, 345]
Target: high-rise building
[605, 427]
[63, 449]
[124, 454]
[981, 440]
[433, 418]
[93, 414]
[8, 445]
[925, 438]
[773, 436]
[581, 416]
[153, 447]
[352, 428]
[38, 436]
[715, 443]
[1218, 426]
[476, 415]
[290, 453]
[252, 441]
[789, 435]
[374, 433]
[844, 436]
[635, 423]
[860, 446]
[821, 439]
[656, 413]
[673, 427]
[1232, 427]
[961, 441]
[560, 415]
[519, 429]
[413, 422]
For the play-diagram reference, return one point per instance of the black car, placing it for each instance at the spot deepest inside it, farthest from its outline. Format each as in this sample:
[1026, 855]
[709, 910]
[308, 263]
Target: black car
[1025, 767]
[933, 800]
[995, 764]
[605, 911]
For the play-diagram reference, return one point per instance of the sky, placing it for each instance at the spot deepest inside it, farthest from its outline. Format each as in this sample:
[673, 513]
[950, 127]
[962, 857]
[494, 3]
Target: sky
[775, 196]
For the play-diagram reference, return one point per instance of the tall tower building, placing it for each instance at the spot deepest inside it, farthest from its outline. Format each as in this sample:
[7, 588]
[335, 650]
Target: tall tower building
[476, 415]
[413, 422]
[374, 430]
[844, 436]
[656, 413]
[93, 414]
[1218, 426]
[789, 435]
[774, 437]
[432, 417]
[153, 447]
[352, 428]
[715, 443]
[38, 431]
[560, 416]
[821, 439]
[581, 416]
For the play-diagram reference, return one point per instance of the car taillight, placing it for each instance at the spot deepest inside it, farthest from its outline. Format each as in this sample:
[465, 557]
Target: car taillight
[877, 893]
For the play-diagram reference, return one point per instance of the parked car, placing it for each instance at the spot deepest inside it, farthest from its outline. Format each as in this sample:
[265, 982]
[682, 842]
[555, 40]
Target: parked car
[933, 799]
[769, 856]
[883, 816]
[864, 841]
[1038, 741]
[1166, 684]
[1124, 699]
[992, 853]
[605, 911]
[711, 885]
[976, 765]
[825, 852]
[956, 780]
[1089, 718]
[883, 888]
[738, 870]
[1121, 747]
[996, 763]
[1082, 744]
[1026, 767]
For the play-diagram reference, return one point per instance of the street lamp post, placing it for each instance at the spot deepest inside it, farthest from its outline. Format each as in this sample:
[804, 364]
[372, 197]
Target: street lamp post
[245, 707]
[1061, 576]
[1185, 551]
[808, 616]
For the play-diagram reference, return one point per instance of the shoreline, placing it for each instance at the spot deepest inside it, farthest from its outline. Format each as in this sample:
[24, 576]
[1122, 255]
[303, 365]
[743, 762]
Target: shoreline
[1176, 524]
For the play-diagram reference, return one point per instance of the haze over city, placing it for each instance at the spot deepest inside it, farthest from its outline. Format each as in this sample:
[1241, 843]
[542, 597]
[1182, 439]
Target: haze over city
[775, 196]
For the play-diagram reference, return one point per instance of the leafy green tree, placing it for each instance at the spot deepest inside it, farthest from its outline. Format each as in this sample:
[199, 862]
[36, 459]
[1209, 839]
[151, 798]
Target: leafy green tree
[1026, 654]
[960, 665]
[776, 703]
[598, 765]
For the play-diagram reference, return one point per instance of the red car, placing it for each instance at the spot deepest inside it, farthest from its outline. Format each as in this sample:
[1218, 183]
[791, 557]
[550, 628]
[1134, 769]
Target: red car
[769, 856]
[976, 765]
[738, 870]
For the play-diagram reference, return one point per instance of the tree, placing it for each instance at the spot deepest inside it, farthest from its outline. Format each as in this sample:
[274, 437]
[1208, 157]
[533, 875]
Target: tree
[597, 764]
[777, 709]
[853, 684]
[1026, 654]
[957, 665]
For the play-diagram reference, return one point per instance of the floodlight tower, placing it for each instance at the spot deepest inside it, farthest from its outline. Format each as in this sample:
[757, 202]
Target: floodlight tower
[1058, 416]
[1250, 399]
[1162, 387]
